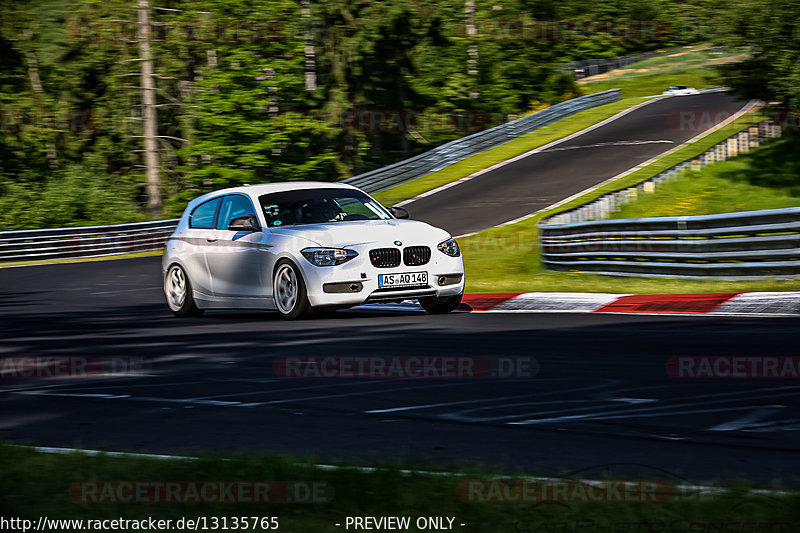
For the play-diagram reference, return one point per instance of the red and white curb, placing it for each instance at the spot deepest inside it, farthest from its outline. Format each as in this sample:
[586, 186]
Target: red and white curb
[717, 304]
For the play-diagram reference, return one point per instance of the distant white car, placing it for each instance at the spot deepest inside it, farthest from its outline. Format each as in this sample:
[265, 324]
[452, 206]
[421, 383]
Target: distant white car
[681, 90]
[296, 246]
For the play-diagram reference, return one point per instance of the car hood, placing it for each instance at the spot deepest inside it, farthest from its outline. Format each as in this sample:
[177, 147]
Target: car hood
[342, 234]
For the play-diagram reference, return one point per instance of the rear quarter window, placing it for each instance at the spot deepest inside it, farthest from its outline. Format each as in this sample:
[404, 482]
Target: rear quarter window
[204, 214]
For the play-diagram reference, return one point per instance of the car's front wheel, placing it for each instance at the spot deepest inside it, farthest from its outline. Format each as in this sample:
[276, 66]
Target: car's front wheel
[289, 291]
[440, 306]
[178, 290]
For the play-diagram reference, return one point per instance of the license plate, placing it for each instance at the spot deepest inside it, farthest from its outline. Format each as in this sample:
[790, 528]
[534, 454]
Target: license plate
[406, 279]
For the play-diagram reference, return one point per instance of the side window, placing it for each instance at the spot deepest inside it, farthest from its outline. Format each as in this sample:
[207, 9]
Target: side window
[234, 206]
[203, 215]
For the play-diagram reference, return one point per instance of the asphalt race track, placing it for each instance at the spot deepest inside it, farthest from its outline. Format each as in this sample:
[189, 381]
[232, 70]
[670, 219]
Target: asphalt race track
[544, 178]
[595, 394]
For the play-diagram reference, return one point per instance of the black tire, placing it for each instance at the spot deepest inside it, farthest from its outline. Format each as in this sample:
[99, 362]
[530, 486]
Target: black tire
[440, 306]
[299, 306]
[180, 307]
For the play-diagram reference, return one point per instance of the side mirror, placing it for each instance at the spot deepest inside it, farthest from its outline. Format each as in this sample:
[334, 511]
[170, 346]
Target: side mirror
[399, 212]
[245, 223]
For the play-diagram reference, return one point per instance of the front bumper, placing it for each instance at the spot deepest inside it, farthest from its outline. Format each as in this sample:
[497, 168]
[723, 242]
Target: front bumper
[356, 281]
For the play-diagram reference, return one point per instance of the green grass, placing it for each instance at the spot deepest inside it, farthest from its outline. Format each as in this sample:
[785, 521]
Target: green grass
[34, 484]
[767, 178]
[506, 259]
[688, 69]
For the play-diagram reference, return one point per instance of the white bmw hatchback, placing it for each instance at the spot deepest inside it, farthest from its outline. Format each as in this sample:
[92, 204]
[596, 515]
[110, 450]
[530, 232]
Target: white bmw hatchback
[297, 246]
[680, 90]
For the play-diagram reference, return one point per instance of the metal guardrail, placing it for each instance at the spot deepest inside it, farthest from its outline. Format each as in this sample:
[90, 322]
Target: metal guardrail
[454, 151]
[89, 241]
[751, 243]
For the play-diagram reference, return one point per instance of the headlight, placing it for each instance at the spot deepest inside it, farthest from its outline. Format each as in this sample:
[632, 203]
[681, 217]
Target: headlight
[328, 256]
[449, 247]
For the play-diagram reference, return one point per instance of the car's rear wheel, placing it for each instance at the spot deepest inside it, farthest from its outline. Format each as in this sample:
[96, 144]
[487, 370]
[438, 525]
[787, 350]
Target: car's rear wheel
[178, 290]
[440, 306]
[289, 291]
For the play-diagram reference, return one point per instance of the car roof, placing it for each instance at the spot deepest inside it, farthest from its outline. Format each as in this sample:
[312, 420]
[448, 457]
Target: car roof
[254, 191]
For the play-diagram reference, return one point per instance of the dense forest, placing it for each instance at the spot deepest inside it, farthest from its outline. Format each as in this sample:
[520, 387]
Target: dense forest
[264, 90]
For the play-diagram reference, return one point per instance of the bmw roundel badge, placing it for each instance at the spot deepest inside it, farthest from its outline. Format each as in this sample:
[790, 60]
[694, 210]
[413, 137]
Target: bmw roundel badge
[398, 243]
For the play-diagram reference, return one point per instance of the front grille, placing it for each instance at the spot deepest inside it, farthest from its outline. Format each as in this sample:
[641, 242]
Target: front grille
[384, 257]
[416, 255]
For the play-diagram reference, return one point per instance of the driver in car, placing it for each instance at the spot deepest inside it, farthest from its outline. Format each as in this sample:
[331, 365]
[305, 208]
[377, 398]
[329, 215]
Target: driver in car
[323, 210]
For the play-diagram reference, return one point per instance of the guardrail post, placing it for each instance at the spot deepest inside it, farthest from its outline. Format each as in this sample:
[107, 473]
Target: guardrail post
[721, 150]
[605, 210]
[733, 146]
[744, 141]
[753, 133]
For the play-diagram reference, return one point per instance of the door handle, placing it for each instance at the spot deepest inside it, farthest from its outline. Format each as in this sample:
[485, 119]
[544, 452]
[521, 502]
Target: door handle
[211, 239]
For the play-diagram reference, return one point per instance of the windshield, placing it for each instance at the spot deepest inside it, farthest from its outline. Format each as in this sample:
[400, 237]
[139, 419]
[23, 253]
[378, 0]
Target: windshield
[319, 206]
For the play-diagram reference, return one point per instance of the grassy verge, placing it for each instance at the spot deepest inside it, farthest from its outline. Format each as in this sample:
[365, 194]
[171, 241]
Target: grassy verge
[767, 178]
[507, 258]
[80, 259]
[34, 484]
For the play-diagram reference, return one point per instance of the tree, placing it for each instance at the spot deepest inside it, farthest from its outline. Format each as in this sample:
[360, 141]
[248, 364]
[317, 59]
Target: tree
[772, 29]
